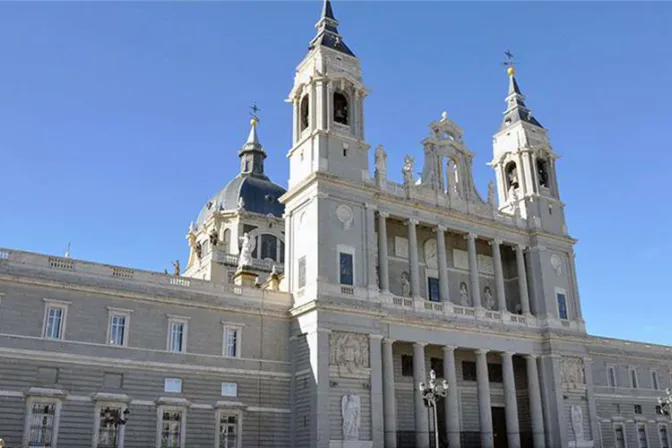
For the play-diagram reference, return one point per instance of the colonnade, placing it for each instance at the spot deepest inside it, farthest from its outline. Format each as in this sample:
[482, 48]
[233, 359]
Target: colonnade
[451, 402]
[414, 268]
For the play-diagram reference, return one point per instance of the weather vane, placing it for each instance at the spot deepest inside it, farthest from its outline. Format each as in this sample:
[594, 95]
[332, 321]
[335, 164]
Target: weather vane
[254, 109]
[509, 62]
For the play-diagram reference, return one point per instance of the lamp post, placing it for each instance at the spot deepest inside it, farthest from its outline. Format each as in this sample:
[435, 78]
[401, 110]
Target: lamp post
[432, 392]
[114, 417]
[665, 402]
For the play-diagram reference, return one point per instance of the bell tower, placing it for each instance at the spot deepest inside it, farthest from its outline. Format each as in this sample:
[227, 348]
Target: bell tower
[327, 99]
[524, 165]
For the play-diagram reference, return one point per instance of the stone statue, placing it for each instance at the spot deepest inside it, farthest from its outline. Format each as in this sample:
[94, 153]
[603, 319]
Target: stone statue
[198, 249]
[176, 267]
[488, 299]
[245, 258]
[491, 193]
[351, 411]
[464, 295]
[407, 171]
[241, 203]
[380, 163]
[514, 202]
[214, 238]
[405, 284]
[577, 422]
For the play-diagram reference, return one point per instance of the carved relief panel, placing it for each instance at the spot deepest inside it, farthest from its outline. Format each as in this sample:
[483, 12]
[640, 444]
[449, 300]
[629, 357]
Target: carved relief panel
[572, 371]
[349, 352]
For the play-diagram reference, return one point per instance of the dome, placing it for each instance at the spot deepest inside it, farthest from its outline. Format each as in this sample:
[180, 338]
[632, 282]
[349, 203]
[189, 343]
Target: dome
[258, 194]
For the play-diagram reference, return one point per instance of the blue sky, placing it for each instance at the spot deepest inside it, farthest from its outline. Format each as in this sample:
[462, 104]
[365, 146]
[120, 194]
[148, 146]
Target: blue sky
[118, 120]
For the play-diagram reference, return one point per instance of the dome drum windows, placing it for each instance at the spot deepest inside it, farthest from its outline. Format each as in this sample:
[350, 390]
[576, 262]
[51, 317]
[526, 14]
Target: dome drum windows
[542, 171]
[511, 172]
[341, 108]
[304, 113]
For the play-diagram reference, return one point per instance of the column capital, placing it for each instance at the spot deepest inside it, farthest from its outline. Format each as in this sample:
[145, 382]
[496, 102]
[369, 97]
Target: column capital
[419, 344]
[383, 214]
[495, 242]
[508, 354]
[470, 236]
[481, 351]
[520, 247]
[449, 348]
[370, 206]
[530, 356]
[376, 336]
[389, 341]
[413, 221]
[440, 228]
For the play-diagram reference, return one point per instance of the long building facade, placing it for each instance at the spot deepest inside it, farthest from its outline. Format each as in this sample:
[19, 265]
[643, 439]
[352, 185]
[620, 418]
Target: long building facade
[309, 316]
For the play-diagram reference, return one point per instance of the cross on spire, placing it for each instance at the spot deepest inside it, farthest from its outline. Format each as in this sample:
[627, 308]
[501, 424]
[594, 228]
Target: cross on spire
[510, 63]
[254, 110]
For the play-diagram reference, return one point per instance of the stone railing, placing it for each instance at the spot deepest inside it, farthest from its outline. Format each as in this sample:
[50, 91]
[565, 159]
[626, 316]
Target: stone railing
[262, 265]
[124, 274]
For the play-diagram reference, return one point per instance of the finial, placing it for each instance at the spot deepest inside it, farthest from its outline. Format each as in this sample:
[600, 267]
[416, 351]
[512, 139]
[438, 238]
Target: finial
[444, 115]
[509, 63]
[255, 118]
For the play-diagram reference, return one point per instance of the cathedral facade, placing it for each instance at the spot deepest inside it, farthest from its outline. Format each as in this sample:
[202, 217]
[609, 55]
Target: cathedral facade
[310, 316]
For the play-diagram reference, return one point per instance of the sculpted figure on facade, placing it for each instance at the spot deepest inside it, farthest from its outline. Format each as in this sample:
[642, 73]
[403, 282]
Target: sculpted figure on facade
[407, 171]
[351, 413]
[241, 203]
[577, 422]
[488, 299]
[464, 295]
[349, 351]
[573, 374]
[245, 258]
[405, 284]
[380, 163]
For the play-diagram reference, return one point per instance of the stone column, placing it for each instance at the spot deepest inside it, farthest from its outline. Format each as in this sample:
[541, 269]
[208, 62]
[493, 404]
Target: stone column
[383, 270]
[451, 401]
[330, 103]
[534, 393]
[421, 416]
[295, 120]
[413, 257]
[473, 270]
[510, 401]
[522, 280]
[443, 264]
[389, 399]
[499, 274]
[354, 125]
[370, 212]
[375, 358]
[483, 392]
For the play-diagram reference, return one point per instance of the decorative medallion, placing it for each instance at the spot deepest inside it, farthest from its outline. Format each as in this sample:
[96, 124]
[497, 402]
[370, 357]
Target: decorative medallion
[556, 264]
[345, 215]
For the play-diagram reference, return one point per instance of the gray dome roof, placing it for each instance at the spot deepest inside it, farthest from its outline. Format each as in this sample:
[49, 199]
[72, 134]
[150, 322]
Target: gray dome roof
[259, 194]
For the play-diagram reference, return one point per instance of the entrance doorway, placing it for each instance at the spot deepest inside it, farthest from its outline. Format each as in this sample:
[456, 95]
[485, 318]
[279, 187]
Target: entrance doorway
[499, 427]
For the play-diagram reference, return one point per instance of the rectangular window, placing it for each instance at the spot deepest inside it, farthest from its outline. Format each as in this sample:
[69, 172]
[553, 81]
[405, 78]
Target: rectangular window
[433, 289]
[108, 432]
[664, 441]
[346, 274]
[562, 306]
[633, 378]
[611, 375]
[229, 389]
[171, 429]
[269, 247]
[118, 329]
[468, 371]
[177, 334]
[302, 272]
[41, 424]
[495, 374]
[619, 436]
[228, 430]
[654, 379]
[638, 409]
[232, 342]
[172, 385]
[641, 436]
[406, 365]
[436, 364]
[54, 323]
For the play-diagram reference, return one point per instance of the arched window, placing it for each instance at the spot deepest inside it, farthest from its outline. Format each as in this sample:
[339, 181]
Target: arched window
[269, 247]
[340, 108]
[305, 112]
[511, 175]
[542, 169]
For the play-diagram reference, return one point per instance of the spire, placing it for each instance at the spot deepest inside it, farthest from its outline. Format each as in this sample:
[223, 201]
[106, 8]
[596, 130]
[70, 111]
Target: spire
[516, 110]
[327, 32]
[252, 154]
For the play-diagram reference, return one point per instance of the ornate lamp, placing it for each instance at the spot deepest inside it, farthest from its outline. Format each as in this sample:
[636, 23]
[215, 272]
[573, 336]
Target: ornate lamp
[665, 402]
[432, 392]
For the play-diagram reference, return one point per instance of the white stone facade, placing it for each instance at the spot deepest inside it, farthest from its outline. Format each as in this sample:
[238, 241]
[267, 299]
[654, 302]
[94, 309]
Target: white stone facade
[362, 287]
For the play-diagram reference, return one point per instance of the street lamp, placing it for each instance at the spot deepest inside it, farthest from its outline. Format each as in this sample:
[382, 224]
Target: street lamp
[431, 393]
[665, 402]
[114, 417]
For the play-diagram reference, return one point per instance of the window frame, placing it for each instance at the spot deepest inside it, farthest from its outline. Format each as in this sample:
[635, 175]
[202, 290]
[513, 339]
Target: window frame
[185, 332]
[239, 423]
[222, 389]
[56, 304]
[183, 423]
[114, 312]
[122, 403]
[611, 368]
[348, 250]
[625, 435]
[239, 337]
[402, 358]
[661, 427]
[53, 397]
[633, 384]
[301, 272]
[655, 384]
[558, 292]
[643, 426]
[165, 387]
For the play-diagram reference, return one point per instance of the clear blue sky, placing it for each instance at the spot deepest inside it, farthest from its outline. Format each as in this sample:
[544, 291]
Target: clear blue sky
[118, 120]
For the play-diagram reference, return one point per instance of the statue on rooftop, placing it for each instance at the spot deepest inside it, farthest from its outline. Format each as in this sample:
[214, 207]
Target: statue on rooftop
[176, 267]
[407, 171]
[380, 163]
[245, 258]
